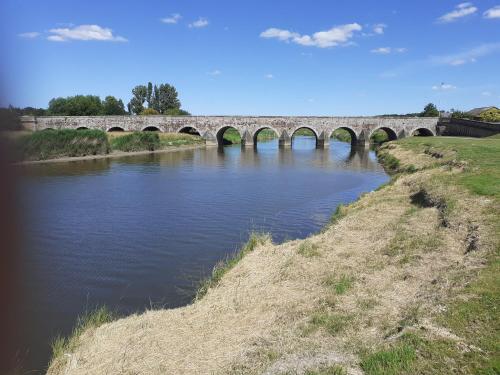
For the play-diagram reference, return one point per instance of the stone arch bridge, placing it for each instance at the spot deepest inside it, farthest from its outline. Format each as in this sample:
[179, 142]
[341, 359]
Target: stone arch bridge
[212, 128]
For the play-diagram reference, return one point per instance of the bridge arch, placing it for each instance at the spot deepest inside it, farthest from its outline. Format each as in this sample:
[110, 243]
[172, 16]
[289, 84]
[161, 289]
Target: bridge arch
[220, 134]
[259, 130]
[422, 132]
[352, 133]
[190, 130]
[151, 128]
[314, 132]
[391, 133]
[115, 129]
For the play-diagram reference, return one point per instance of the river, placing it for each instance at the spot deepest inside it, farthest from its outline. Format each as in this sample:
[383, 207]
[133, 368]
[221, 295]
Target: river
[139, 232]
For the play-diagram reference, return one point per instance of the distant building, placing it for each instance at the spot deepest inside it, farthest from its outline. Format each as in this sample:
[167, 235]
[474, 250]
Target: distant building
[476, 112]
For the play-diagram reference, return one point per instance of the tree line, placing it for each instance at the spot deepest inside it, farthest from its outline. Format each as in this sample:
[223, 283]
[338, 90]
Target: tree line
[146, 100]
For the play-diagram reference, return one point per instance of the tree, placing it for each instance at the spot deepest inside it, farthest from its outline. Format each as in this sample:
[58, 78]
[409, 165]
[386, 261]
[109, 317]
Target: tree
[167, 98]
[78, 105]
[112, 106]
[430, 110]
[149, 95]
[140, 94]
[164, 99]
[57, 106]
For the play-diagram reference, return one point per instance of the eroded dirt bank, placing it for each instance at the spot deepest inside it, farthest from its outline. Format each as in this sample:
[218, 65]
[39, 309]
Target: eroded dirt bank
[374, 293]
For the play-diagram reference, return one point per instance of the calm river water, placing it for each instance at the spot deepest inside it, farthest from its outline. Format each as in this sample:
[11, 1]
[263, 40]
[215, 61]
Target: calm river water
[140, 231]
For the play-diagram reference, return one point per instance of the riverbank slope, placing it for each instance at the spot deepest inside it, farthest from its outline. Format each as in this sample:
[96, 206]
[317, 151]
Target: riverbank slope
[403, 281]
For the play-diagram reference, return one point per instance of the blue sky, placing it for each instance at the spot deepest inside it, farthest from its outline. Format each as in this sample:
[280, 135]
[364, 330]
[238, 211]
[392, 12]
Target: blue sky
[280, 57]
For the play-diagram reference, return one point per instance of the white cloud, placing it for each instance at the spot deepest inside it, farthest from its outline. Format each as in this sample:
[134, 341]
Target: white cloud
[339, 35]
[461, 10]
[381, 50]
[199, 23]
[215, 73]
[173, 19]
[30, 35]
[486, 93]
[388, 50]
[84, 32]
[269, 76]
[379, 28]
[492, 12]
[466, 57]
[444, 87]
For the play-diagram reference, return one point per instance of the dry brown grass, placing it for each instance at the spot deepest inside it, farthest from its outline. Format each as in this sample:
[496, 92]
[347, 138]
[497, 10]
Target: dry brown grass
[274, 313]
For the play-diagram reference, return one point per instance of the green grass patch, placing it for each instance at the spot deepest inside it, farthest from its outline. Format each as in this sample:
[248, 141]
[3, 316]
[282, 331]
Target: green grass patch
[308, 249]
[90, 320]
[51, 144]
[481, 156]
[331, 322]
[340, 284]
[222, 267]
[389, 162]
[395, 360]
[136, 141]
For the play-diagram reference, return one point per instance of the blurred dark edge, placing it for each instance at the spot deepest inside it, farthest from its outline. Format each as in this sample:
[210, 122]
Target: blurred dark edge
[10, 292]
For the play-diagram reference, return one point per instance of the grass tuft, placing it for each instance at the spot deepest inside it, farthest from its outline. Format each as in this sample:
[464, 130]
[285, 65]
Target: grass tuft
[340, 284]
[332, 323]
[308, 249]
[90, 320]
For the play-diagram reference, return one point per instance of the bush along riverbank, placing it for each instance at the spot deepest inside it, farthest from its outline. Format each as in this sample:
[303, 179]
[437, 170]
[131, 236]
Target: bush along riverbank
[62, 143]
[402, 281]
[54, 144]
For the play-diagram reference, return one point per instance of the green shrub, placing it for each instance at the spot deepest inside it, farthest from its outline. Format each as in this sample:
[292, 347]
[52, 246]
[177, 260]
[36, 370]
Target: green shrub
[136, 141]
[491, 115]
[50, 144]
[149, 112]
[379, 136]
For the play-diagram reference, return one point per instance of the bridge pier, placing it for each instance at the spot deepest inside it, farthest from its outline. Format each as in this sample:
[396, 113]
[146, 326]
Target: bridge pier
[323, 140]
[285, 140]
[210, 139]
[247, 140]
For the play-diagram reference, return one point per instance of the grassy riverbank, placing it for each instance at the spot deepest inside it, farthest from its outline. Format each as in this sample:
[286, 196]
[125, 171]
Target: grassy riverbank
[403, 281]
[55, 144]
